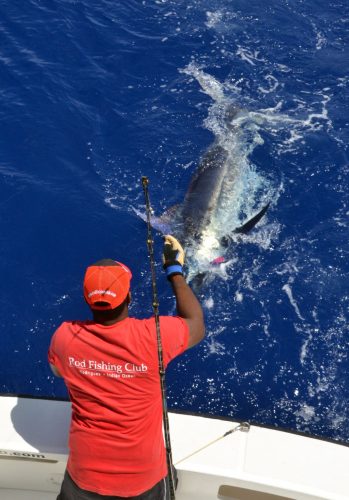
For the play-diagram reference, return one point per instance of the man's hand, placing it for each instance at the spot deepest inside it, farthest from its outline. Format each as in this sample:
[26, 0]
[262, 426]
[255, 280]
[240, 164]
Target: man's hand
[173, 256]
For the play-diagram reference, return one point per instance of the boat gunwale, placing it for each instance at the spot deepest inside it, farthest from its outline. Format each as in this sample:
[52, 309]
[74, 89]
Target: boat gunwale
[204, 415]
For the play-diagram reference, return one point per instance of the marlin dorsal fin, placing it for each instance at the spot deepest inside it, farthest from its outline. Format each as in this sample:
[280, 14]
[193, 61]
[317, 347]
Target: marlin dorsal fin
[250, 224]
[246, 227]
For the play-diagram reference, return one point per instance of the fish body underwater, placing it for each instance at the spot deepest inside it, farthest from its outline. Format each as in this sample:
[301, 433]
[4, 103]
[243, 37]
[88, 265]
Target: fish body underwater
[197, 222]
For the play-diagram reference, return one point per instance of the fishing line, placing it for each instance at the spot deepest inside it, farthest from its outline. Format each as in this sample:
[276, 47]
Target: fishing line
[150, 244]
[244, 427]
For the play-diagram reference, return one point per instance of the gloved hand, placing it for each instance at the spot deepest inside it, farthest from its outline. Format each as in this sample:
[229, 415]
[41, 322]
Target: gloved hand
[173, 256]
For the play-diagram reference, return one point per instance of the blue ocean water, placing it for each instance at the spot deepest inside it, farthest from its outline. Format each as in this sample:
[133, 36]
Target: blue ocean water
[95, 94]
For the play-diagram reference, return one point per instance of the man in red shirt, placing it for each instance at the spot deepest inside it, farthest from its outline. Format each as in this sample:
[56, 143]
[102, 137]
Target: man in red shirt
[110, 367]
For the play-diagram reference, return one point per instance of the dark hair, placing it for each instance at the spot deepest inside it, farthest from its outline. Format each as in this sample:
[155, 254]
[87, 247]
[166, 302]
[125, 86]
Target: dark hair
[106, 262]
[116, 311]
[109, 314]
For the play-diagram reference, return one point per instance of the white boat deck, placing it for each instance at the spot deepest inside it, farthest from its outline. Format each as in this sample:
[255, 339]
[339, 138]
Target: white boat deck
[252, 463]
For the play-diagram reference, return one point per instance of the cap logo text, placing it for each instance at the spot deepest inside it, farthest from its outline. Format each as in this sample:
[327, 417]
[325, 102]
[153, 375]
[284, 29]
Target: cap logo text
[101, 292]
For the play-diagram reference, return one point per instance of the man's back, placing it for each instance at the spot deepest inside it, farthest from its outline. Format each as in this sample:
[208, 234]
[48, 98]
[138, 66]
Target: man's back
[112, 375]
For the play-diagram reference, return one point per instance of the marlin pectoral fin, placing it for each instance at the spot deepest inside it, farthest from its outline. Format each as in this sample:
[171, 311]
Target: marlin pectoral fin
[161, 224]
[245, 228]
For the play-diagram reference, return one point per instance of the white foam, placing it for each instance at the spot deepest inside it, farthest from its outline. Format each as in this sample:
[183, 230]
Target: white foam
[343, 81]
[248, 56]
[209, 303]
[213, 18]
[215, 348]
[61, 299]
[320, 41]
[209, 84]
[306, 412]
[304, 349]
[288, 290]
[272, 82]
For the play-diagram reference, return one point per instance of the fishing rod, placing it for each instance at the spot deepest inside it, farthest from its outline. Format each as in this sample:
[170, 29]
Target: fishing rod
[150, 244]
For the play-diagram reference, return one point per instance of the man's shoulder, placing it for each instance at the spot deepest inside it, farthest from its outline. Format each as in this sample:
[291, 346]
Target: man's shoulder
[140, 322]
[72, 325]
[151, 320]
[165, 322]
[75, 322]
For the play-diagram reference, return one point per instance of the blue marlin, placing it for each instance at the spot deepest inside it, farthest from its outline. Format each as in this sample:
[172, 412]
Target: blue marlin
[194, 222]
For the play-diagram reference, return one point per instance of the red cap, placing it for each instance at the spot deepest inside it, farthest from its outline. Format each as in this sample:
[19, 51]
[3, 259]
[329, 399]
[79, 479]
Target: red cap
[108, 284]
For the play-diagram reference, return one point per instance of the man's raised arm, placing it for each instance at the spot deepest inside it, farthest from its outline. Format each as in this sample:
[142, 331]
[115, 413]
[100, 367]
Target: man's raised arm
[188, 306]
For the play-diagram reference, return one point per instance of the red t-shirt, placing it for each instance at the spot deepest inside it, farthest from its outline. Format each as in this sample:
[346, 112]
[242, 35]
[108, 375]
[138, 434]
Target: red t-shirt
[112, 375]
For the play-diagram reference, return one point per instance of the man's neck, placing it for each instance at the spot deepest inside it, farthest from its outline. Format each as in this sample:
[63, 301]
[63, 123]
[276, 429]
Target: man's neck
[101, 319]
